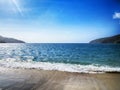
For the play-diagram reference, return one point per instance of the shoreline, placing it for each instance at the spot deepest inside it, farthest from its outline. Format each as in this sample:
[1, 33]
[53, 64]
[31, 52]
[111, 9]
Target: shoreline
[29, 64]
[34, 79]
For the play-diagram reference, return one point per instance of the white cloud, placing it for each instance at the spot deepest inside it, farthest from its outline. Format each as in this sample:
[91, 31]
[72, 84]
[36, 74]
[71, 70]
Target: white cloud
[116, 15]
[17, 5]
[11, 7]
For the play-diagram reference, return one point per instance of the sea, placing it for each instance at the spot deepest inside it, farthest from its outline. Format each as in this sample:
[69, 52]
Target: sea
[69, 57]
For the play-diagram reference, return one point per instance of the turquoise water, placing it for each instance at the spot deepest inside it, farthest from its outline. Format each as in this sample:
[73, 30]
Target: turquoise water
[77, 57]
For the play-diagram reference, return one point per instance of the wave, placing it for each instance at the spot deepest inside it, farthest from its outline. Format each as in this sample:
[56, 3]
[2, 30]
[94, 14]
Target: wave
[13, 63]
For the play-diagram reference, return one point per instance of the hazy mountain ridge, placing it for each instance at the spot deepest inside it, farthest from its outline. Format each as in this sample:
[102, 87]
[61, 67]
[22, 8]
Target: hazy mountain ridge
[9, 40]
[113, 39]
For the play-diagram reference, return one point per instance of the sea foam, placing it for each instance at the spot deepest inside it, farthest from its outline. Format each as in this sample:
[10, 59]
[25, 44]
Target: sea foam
[13, 63]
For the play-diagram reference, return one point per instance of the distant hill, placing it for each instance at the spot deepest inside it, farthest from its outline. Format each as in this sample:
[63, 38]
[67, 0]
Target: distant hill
[9, 40]
[114, 39]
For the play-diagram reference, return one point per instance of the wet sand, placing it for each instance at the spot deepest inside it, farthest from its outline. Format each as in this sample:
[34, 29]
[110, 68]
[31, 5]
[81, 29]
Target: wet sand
[33, 79]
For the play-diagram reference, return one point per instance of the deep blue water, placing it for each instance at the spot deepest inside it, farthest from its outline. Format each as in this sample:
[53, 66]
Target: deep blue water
[80, 54]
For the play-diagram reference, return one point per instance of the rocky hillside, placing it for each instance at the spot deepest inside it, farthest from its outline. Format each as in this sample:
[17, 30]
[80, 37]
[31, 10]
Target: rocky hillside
[9, 40]
[114, 39]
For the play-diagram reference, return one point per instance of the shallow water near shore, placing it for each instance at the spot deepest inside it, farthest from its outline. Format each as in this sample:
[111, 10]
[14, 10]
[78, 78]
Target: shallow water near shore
[82, 58]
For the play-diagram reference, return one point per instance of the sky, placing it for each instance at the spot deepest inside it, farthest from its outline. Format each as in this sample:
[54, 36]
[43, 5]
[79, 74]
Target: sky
[59, 21]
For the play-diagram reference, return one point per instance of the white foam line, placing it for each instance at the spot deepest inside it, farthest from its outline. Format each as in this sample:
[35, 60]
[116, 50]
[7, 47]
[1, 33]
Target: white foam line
[57, 66]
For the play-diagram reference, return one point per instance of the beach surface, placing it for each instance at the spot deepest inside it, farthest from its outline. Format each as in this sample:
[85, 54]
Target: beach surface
[35, 79]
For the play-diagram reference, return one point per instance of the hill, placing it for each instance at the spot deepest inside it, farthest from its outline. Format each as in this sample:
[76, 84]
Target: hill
[114, 39]
[9, 40]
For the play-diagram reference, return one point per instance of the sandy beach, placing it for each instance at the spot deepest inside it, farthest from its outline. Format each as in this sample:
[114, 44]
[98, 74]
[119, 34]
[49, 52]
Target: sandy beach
[33, 79]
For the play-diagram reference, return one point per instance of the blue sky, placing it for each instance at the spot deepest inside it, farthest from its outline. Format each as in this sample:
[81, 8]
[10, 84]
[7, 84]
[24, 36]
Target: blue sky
[56, 21]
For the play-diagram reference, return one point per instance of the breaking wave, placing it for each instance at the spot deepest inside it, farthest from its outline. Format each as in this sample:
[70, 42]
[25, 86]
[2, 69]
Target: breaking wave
[13, 63]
